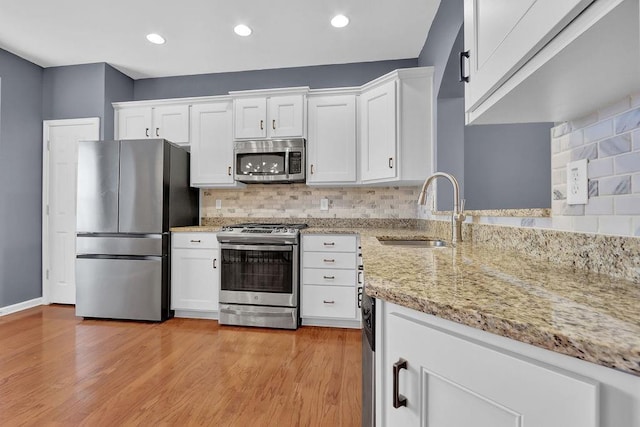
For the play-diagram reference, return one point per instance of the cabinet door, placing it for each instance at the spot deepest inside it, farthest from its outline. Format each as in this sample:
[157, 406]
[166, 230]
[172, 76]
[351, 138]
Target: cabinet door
[195, 279]
[171, 122]
[331, 146]
[212, 144]
[286, 116]
[250, 118]
[501, 35]
[378, 127]
[451, 381]
[134, 123]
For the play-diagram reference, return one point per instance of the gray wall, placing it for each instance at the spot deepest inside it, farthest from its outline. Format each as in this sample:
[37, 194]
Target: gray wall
[451, 148]
[508, 166]
[72, 92]
[321, 76]
[118, 88]
[20, 180]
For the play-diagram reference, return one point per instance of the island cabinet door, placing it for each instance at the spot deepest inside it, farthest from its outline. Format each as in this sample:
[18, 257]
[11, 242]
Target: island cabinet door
[440, 379]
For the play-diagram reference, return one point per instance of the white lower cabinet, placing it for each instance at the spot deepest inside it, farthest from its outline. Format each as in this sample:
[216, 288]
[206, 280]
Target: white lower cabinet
[195, 275]
[329, 292]
[439, 373]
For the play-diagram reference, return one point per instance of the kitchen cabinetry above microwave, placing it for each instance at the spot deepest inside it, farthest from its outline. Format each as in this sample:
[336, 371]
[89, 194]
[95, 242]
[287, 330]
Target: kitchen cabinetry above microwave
[396, 127]
[170, 122]
[270, 116]
[548, 60]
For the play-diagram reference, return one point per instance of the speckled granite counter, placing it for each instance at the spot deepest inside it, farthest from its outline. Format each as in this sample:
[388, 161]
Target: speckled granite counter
[590, 316]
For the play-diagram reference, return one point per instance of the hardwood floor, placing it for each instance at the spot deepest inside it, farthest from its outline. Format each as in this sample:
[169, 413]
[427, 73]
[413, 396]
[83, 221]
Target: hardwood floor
[56, 369]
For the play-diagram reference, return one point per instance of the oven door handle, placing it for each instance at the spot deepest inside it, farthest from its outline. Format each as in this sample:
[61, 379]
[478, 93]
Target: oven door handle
[279, 248]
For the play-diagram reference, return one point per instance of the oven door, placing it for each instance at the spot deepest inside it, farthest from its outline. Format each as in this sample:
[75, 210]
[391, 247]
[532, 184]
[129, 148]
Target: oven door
[259, 274]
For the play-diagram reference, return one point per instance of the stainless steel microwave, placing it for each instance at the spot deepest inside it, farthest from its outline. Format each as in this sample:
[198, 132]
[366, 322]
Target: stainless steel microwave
[270, 161]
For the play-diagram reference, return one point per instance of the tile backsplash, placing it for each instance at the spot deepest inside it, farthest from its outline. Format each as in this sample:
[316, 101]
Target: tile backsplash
[610, 140]
[301, 201]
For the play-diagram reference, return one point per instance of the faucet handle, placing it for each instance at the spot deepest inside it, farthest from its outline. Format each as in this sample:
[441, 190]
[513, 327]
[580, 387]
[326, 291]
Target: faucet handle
[462, 201]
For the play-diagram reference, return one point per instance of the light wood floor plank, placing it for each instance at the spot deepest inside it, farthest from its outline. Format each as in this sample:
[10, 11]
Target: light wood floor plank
[59, 370]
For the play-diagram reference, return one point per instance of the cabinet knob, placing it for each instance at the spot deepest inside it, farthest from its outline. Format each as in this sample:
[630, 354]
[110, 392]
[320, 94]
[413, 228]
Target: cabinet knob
[273, 125]
[398, 399]
[390, 162]
[463, 55]
[261, 124]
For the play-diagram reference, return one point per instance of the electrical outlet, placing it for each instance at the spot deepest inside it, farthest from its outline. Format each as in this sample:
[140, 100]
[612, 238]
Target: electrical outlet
[577, 183]
[218, 204]
[324, 204]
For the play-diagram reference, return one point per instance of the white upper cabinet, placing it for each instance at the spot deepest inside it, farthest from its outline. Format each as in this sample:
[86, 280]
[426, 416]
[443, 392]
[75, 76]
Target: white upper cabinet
[547, 60]
[397, 127]
[331, 145]
[212, 144]
[170, 122]
[278, 116]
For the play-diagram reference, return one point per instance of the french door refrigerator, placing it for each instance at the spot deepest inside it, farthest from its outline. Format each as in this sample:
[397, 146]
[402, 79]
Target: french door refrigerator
[129, 194]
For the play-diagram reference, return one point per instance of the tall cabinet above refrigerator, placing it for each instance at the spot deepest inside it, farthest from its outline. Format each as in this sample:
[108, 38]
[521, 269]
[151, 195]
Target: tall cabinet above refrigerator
[129, 194]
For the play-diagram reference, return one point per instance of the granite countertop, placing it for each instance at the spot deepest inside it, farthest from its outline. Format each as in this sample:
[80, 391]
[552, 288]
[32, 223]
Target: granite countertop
[590, 316]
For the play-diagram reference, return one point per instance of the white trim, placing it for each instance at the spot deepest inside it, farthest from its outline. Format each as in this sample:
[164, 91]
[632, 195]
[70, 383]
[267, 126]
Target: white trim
[196, 314]
[170, 101]
[10, 309]
[267, 92]
[46, 125]
[332, 323]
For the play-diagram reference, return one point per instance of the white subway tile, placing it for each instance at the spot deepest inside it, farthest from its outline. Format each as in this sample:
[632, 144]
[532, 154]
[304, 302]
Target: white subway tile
[559, 176]
[560, 160]
[585, 224]
[562, 223]
[635, 183]
[556, 145]
[600, 167]
[627, 121]
[625, 163]
[636, 140]
[561, 129]
[588, 152]
[598, 131]
[620, 184]
[635, 99]
[627, 205]
[615, 108]
[616, 225]
[584, 121]
[636, 225]
[557, 207]
[599, 206]
[576, 138]
[613, 146]
[559, 192]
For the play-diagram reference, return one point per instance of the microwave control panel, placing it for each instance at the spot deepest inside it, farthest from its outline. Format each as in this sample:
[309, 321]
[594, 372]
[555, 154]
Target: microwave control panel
[295, 162]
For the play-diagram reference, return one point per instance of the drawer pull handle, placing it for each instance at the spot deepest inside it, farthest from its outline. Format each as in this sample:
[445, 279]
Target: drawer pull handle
[398, 399]
[390, 162]
[195, 241]
[360, 275]
[215, 263]
[329, 277]
[146, 132]
[463, 55]
[328, 302]
[273, 125]
[229, 170]
[329, 260]
[261, 124]
[329, 243]
[360, 291]
[157, 131]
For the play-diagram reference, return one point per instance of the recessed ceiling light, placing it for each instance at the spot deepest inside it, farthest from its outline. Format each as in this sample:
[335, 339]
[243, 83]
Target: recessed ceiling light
[156, 38]
[242, 30]
[340, 21]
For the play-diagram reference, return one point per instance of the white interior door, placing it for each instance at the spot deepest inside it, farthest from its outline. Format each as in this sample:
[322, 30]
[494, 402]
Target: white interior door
[59, 204]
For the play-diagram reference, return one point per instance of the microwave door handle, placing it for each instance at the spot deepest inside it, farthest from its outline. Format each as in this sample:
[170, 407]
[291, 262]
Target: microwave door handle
[286, 162]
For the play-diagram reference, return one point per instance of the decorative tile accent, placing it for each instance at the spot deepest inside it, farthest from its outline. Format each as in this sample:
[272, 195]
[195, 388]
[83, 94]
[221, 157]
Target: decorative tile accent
[593, 188]
[588, 152]
[628, 121]
[598, 131]
[561, 129]
[616, 145]
[614, 185]
[559, 192]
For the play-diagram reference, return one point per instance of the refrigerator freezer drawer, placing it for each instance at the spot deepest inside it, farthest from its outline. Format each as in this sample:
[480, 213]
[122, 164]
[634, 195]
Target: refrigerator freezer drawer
[119, 288]
[102, 245]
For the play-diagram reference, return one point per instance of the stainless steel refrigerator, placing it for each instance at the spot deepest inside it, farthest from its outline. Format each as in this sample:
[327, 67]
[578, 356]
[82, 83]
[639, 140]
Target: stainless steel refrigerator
[129, 194]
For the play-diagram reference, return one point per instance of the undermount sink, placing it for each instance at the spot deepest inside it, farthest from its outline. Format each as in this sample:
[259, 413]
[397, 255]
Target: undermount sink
[428, 243]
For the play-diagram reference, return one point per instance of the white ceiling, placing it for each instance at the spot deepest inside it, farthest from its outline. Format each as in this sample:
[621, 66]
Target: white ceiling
[200, 37]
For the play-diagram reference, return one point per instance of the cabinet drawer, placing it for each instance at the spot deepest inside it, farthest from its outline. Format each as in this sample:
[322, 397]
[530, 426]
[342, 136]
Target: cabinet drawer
[328, 301]
[329, 243]
[328, 276]
[329, 260]
[194, 240]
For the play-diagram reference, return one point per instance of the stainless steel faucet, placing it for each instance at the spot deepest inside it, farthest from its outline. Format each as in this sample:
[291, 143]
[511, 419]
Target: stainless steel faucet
[458, 216]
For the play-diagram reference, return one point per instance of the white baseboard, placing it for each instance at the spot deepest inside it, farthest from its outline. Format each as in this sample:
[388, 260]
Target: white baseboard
[20, 306]
[196, 314]
[332, 323]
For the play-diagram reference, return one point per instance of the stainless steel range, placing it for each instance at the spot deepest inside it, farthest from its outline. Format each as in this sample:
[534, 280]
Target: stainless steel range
[260, 275]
